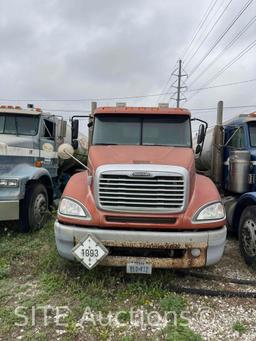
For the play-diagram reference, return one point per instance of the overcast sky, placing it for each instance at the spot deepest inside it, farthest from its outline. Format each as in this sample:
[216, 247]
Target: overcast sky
[85, 49]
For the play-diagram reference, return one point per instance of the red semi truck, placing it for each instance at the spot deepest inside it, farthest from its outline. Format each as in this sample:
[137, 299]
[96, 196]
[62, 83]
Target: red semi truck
[140, 204]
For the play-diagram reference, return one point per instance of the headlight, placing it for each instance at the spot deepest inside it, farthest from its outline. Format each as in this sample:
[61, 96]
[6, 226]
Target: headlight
[210, 212]
[9, 182]
[71, 208]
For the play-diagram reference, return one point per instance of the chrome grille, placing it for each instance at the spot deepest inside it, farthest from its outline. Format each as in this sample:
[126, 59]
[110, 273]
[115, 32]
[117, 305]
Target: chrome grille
[157, 193]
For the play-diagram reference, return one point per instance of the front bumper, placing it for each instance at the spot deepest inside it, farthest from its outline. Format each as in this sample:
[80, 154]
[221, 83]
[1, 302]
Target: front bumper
[9, 210]
[211, 244]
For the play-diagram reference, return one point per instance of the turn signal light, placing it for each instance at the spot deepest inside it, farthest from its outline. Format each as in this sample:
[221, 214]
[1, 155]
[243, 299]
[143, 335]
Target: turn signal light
[252, 113]
[38, 163]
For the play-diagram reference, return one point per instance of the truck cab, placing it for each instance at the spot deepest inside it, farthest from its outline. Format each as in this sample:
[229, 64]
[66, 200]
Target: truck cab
[240, 135]
[140, 203]
[29, 164]
[240, 181]
[234, 172]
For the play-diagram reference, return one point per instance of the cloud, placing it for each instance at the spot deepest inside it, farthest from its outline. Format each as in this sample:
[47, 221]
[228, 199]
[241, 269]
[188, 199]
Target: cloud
[81, 49]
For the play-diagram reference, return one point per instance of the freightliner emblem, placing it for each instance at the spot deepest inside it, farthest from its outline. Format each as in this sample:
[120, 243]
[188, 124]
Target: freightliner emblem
[142, 174]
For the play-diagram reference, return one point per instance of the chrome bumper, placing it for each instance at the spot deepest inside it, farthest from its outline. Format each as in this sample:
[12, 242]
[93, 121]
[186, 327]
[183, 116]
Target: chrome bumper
[211, 244]
[9, 210]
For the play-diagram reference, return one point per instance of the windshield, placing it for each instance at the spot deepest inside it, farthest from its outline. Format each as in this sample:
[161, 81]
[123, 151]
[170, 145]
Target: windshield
[155, 130]
[252, 131]
[18, 124]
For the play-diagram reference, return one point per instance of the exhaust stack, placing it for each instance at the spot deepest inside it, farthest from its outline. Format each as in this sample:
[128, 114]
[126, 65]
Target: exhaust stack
[217, 147]
[90, 123]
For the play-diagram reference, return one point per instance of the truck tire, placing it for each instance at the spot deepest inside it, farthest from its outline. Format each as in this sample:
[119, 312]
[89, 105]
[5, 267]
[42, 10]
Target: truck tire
[247, 235]
[34, 212]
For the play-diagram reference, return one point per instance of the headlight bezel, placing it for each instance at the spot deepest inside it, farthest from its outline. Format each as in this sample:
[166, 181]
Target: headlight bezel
[195, 219]
[86, 216]
[8, 182]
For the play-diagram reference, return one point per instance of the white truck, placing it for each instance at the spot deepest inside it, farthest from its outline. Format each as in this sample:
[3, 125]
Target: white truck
[31, 174]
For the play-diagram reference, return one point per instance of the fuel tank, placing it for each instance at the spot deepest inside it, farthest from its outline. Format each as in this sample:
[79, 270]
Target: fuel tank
[239, 167]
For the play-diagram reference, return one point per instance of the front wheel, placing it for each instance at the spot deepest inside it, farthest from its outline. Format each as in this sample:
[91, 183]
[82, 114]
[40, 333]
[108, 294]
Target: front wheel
[247, 234]
[35, 208]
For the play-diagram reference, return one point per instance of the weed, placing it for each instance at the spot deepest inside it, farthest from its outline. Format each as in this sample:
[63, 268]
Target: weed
[239, 327]
[172, 302]
[180, 332]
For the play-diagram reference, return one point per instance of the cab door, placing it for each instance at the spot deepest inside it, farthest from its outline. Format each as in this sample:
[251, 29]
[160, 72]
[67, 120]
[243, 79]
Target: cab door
[47, 150]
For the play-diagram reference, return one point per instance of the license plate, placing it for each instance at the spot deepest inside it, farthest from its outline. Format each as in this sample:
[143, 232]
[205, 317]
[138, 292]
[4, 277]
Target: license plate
[90, 251]
[139, 268]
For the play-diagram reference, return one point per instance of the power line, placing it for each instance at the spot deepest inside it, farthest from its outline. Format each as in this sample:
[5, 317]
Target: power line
[68, 111]
[228, 107]
[229, 64]
[222, 36]
[166, 84]
[210, 31]
[223, 51]
[204, 18]
[223, 85]
[92, 99]
[124, 97]
[234, 60]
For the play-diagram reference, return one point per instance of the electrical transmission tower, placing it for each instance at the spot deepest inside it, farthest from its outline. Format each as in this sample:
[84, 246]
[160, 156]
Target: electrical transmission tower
[179, 84]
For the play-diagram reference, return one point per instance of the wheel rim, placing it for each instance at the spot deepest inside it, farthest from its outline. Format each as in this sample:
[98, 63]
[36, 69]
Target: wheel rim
[40, 209]
[249, 237]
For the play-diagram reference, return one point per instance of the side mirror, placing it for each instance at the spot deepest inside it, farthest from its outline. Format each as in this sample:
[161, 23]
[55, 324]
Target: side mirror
[201, 134]
[62, 129]
[90, 124]
[75, 144]
[75, 129]
[198, 149]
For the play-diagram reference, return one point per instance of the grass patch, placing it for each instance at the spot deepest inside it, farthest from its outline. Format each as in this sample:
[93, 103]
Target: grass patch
[4, 270]
[124, 316]
[180, 333]
[239, 327]
[172, 302]
[32, 275]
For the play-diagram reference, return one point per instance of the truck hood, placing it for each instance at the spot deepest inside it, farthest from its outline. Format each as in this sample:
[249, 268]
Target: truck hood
[175, 156]
[15, 141]
[11, 166]
[15, 150]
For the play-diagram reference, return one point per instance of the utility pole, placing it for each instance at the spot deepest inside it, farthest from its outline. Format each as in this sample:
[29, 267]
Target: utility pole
[179, 73]
[179, 85]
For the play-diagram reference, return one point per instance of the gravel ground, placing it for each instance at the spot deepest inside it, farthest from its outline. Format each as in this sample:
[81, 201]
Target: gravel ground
[27, 282]
[216, 318]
